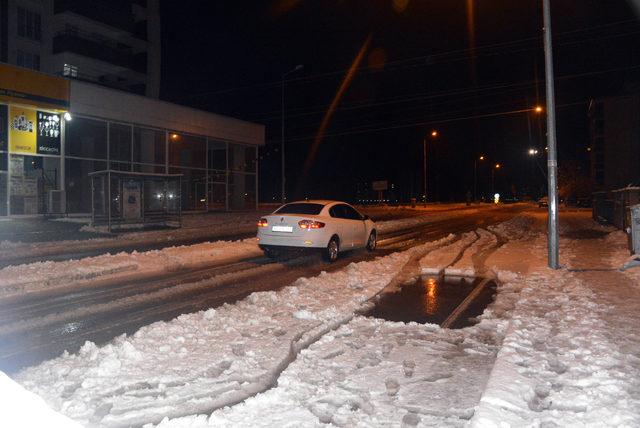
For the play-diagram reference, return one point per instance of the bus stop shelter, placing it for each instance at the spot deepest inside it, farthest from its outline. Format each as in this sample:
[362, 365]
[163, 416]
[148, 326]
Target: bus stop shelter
[125, 199]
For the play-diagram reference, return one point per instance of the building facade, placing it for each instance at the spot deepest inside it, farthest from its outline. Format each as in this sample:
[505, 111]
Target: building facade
[55, 131]
[614, 128]
[115, 43]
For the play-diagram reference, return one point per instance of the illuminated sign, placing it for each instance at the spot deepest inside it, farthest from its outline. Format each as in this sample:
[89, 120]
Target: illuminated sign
[22, 130]
[48, 140]
[33, 131]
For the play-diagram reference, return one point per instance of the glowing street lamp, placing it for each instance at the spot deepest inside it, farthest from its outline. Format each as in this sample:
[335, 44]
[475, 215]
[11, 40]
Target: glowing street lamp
[538, 109]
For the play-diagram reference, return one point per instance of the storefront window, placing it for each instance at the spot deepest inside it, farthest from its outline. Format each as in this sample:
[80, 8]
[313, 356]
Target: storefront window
[86, 138]
[150, 169]
[242, 191]
[193, 188]
[217, 155]
[119, 142]
[187, 151]
[78, 185]
[148, 145]
[242, 158]
[120, 166]
[32, 178]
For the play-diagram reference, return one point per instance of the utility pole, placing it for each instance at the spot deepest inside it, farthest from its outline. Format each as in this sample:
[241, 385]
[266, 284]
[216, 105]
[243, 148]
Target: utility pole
[283, 172]
[424, 168]
[552, 160]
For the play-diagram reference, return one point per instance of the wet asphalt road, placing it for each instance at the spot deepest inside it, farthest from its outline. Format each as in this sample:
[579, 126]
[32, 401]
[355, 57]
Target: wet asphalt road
[40, 327]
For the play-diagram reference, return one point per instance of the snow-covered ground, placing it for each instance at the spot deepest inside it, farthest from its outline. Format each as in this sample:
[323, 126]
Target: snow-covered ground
[45, 276]
[555, 348]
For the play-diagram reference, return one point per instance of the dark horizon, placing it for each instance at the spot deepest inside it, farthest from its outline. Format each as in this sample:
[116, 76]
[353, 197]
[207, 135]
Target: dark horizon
[419, 72]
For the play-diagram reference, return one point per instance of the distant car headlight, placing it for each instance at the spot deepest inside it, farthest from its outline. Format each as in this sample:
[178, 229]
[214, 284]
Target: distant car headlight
[310, 224]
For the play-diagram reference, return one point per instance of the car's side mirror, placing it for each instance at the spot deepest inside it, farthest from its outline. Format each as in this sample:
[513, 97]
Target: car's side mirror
[365, 217]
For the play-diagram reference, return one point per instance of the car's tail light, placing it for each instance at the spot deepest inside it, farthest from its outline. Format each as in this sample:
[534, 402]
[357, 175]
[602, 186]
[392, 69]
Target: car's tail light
[263, 222]
[310, 224]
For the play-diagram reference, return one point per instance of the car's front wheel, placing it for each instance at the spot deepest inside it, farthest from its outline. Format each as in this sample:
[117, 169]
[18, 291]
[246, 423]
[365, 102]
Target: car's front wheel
[372, 242]
[332, 250]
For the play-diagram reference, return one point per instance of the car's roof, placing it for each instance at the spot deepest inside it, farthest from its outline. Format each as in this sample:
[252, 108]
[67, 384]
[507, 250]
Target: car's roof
[317, 201]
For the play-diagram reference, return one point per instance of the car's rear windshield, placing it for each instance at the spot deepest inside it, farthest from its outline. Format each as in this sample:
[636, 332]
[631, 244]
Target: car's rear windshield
[301, 208]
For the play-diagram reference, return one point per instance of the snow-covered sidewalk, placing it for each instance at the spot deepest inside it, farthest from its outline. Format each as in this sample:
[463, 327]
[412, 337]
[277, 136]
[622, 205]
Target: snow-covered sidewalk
[554, 348]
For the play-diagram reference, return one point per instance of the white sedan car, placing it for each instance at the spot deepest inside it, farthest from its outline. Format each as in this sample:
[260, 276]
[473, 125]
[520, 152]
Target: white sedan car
[330, 226]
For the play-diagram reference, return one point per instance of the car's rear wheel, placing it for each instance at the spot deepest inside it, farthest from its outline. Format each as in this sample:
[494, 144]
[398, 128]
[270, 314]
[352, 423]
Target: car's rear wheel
[333, 248]
[372, 242]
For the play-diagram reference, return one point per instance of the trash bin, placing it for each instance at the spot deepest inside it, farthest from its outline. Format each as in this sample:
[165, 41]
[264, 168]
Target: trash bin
[635, 229]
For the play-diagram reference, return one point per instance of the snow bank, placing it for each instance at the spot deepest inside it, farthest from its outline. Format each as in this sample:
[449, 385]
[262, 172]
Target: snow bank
[34, 277]
[21, 408]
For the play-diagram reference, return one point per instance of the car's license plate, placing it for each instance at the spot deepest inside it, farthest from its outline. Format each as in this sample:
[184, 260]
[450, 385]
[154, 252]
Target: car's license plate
[282, 228]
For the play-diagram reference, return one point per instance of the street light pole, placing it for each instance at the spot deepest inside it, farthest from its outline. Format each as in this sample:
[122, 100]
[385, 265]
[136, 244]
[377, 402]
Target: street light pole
[475, 177]
[552, 161]
[296, 68]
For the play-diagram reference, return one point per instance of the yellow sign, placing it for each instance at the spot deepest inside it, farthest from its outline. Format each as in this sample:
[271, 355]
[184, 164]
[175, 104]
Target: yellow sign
[22, 130]
[31, 87]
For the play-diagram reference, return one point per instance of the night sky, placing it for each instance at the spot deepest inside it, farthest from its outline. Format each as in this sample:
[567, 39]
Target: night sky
[424, 65]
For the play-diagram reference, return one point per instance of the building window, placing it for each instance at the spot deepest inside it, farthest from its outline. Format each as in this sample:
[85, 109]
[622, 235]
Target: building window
[28, 60]
[29, 24]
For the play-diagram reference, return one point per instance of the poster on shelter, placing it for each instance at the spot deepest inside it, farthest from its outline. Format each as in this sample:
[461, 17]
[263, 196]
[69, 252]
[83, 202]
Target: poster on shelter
[22, 130]
[48, 139]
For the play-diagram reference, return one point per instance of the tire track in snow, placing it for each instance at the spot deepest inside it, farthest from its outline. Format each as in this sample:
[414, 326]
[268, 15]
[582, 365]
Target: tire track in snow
[305, 339]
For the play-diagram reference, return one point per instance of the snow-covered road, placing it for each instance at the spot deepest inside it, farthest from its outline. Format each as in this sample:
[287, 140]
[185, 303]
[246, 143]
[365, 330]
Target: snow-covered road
[51, 307]
[553, 349]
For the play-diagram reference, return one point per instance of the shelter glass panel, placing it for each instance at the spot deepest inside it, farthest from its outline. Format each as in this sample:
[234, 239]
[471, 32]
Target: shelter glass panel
[78, 185]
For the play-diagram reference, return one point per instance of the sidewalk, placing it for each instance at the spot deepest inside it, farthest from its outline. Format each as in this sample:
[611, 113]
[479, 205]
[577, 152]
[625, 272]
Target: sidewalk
[571, 355]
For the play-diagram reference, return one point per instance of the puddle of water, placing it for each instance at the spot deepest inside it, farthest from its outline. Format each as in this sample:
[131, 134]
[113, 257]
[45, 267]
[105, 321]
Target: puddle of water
[430, 300]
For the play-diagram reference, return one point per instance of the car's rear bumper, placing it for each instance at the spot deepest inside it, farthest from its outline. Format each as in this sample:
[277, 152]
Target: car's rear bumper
[288, 241]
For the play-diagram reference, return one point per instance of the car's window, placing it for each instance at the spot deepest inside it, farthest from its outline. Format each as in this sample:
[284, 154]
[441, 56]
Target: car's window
[300, 208]
[351, 213]
[337, 211]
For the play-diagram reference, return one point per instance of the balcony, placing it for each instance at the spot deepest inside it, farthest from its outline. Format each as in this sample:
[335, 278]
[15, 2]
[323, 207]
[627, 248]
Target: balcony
[100, 49]
[115, 13]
